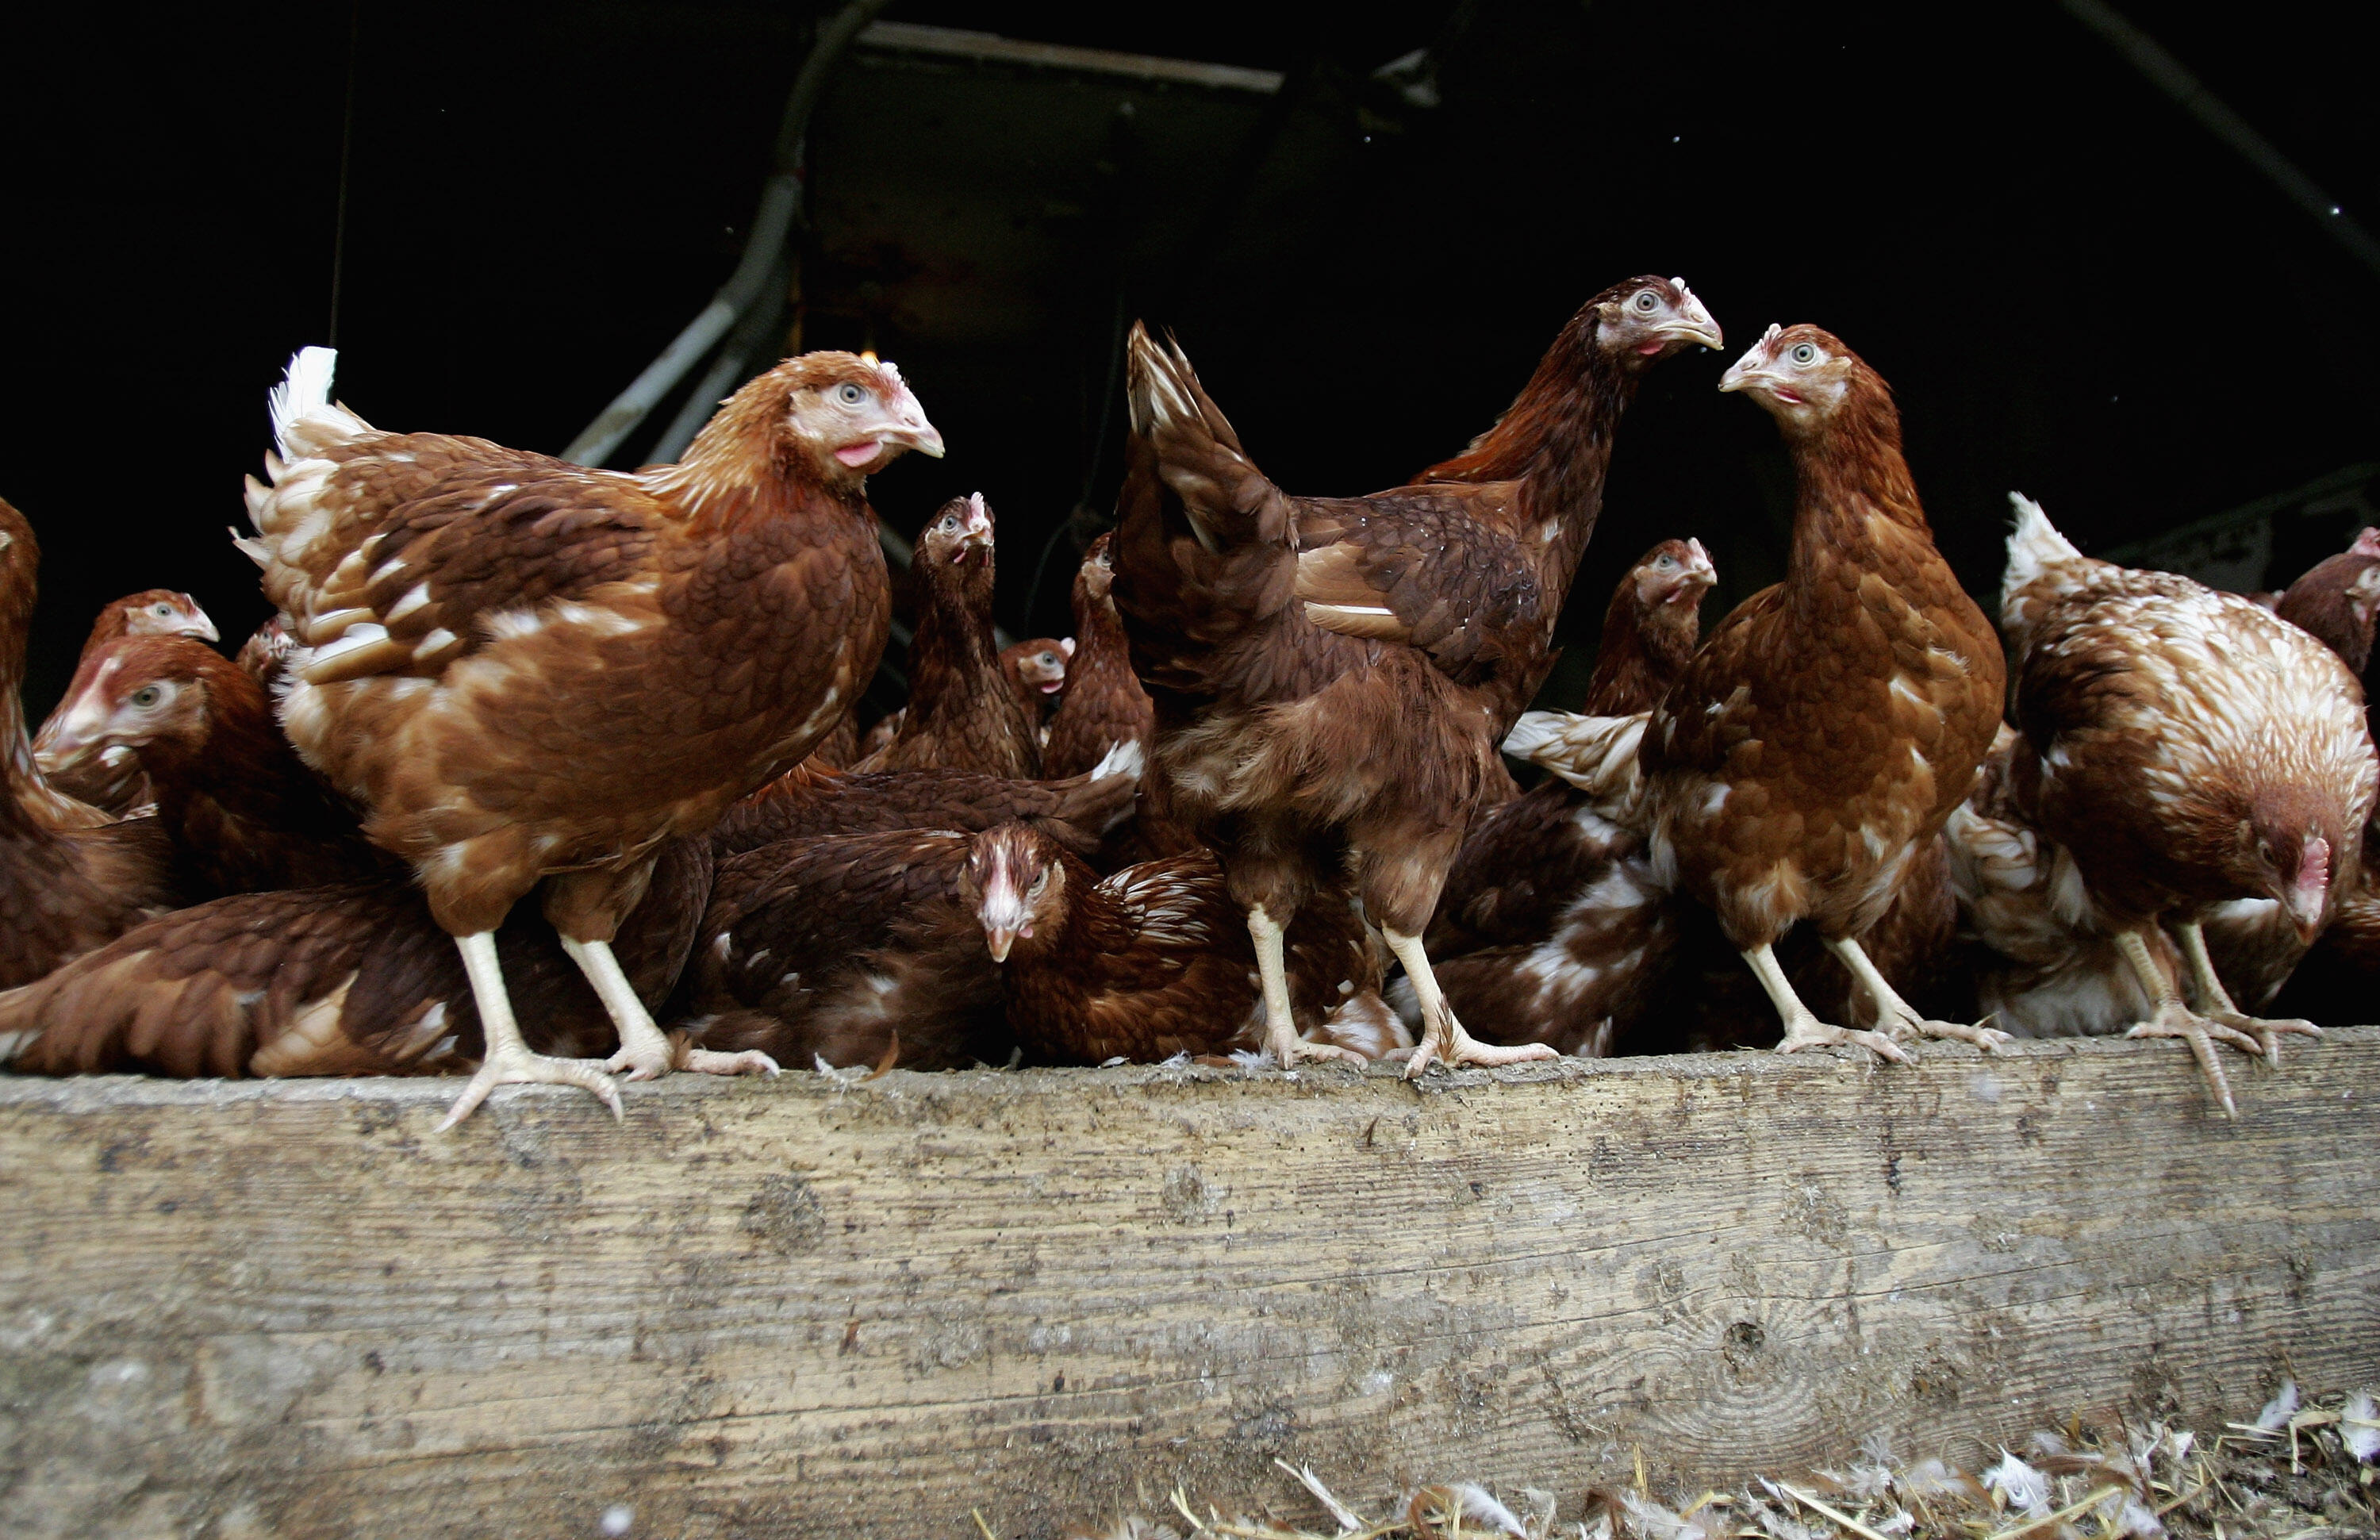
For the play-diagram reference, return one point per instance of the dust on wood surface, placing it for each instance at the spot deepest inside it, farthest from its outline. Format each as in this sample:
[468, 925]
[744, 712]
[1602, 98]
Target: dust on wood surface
[800, 1307]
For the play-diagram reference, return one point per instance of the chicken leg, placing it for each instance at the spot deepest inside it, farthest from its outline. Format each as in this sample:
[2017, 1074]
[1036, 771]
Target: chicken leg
[1803, 1028]
[1896, 1015]
[645, 1052]
[1281, 1024]
[1442, 1036]
[2173, 1019]
[2219, 1007]
[506, 1060]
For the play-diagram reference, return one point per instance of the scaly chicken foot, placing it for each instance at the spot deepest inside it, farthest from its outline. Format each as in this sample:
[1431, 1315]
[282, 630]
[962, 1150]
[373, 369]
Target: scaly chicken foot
[2173, 1019]
[1803, 1027]
[2218, 1005]
[1281, 1024]
[1442, 1036]
[1901, 1020]
[508, 1061]
[644, 1051]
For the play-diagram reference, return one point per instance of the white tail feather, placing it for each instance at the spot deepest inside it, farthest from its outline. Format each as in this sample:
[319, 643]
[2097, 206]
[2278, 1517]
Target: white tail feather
[1124, 758]
[2034, 547]
[306, 386]
[1597, 755]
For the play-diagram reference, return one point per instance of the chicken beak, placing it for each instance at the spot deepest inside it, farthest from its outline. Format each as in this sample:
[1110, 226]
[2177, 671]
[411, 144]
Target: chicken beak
[904, 424]
[1747, 370]
[2308, 899]
[204, 629]
[1000, 939]
[1694, 323]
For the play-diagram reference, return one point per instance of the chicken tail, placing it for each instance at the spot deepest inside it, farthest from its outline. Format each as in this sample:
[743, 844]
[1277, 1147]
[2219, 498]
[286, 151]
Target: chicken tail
[2034, 547]
[1597, 755]
[305, 419]
[1198, 455]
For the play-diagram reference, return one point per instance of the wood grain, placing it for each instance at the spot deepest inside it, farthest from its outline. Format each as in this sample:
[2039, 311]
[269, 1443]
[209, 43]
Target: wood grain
[289, 1308]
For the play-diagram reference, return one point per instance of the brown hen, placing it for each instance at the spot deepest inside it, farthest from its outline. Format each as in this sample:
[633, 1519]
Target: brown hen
[70, 880]
[1155, 960]
[965, 711]
[1036, 669]
[114, 785]
[352, 979]
[244, 813]
[531, 673]
[1104, 704]
[810, 800]
[1333, 676]
[1524, 862]
[844, 948]
[1817, 741]
[2185, 750]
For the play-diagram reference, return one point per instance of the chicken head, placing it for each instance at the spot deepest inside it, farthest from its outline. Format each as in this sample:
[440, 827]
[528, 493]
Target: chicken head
[1013, 882]
[1801, 375]
[851, 417]
[1674, 572]
[167, 612]
[1657, 320]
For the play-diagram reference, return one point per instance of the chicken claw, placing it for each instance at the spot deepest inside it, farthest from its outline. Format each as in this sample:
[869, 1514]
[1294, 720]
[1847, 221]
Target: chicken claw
[508, 1061]
[519, 1066]
[644, 1051]
[1280, 1027]
[704, 1060]
[1803, 1027]
[1442, 1037]
[1899, 1019]
[2265, 1033]
[2174, 1020]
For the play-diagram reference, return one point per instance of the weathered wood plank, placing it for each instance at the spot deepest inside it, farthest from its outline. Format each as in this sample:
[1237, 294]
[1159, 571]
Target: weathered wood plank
[292, 1309]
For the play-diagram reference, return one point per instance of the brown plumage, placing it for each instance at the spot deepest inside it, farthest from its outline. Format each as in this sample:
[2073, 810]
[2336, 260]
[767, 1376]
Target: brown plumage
[1036, 669]
[1155, 960]
[831, 948]
[2336, 601]
[1522, 863]
[2184, 749]
[809, 801]
[1817, 740]
[352, 979]
[244, 813]
[1104, 704]
[264, 657]
[70, 880]
[531, 673]
[117, 785]
[965, 711]
[1331, 676]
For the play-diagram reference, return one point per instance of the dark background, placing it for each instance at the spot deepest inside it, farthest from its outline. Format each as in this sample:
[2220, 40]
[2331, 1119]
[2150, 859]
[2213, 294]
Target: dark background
[2074, 289]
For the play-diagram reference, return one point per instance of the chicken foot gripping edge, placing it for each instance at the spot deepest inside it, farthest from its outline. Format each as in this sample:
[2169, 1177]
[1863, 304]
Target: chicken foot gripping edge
[1900, 1019]
[509, 1061]
[1444, 1038]
[2220, 1008]
[1282, 1040]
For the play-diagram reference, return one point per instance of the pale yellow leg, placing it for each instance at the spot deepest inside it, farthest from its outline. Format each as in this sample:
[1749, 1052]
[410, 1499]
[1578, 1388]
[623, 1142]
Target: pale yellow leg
[1803, 1027]
[1281, 1017]
[1899, 1018]
[506, 1060]
[2221, 1007]
[1442, 1036]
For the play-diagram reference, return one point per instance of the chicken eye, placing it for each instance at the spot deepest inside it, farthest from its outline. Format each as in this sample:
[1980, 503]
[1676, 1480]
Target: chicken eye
[1647, 301]
[147, 696]
[160, 609]
[1667, 564]
[850, 394]
[1803, 353]
[948, 521]
[1038, 883]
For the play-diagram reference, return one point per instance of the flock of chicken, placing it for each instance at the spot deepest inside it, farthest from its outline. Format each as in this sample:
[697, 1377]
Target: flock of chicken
[1264, 771]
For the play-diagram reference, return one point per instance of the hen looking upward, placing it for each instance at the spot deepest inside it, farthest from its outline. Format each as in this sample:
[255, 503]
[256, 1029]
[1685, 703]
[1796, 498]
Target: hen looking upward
[964, 711]
[1821, 735]
[117, 785]
[2187, 748]
[1331, 676]
[530, 672]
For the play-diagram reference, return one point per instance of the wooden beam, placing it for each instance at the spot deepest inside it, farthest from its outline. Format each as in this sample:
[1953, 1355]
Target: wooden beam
[289, 1308]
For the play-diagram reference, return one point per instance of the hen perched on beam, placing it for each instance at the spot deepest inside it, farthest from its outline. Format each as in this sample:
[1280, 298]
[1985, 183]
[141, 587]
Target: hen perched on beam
[531, 673]
[2186, 748]
[1332, 675]
[1817, 741]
